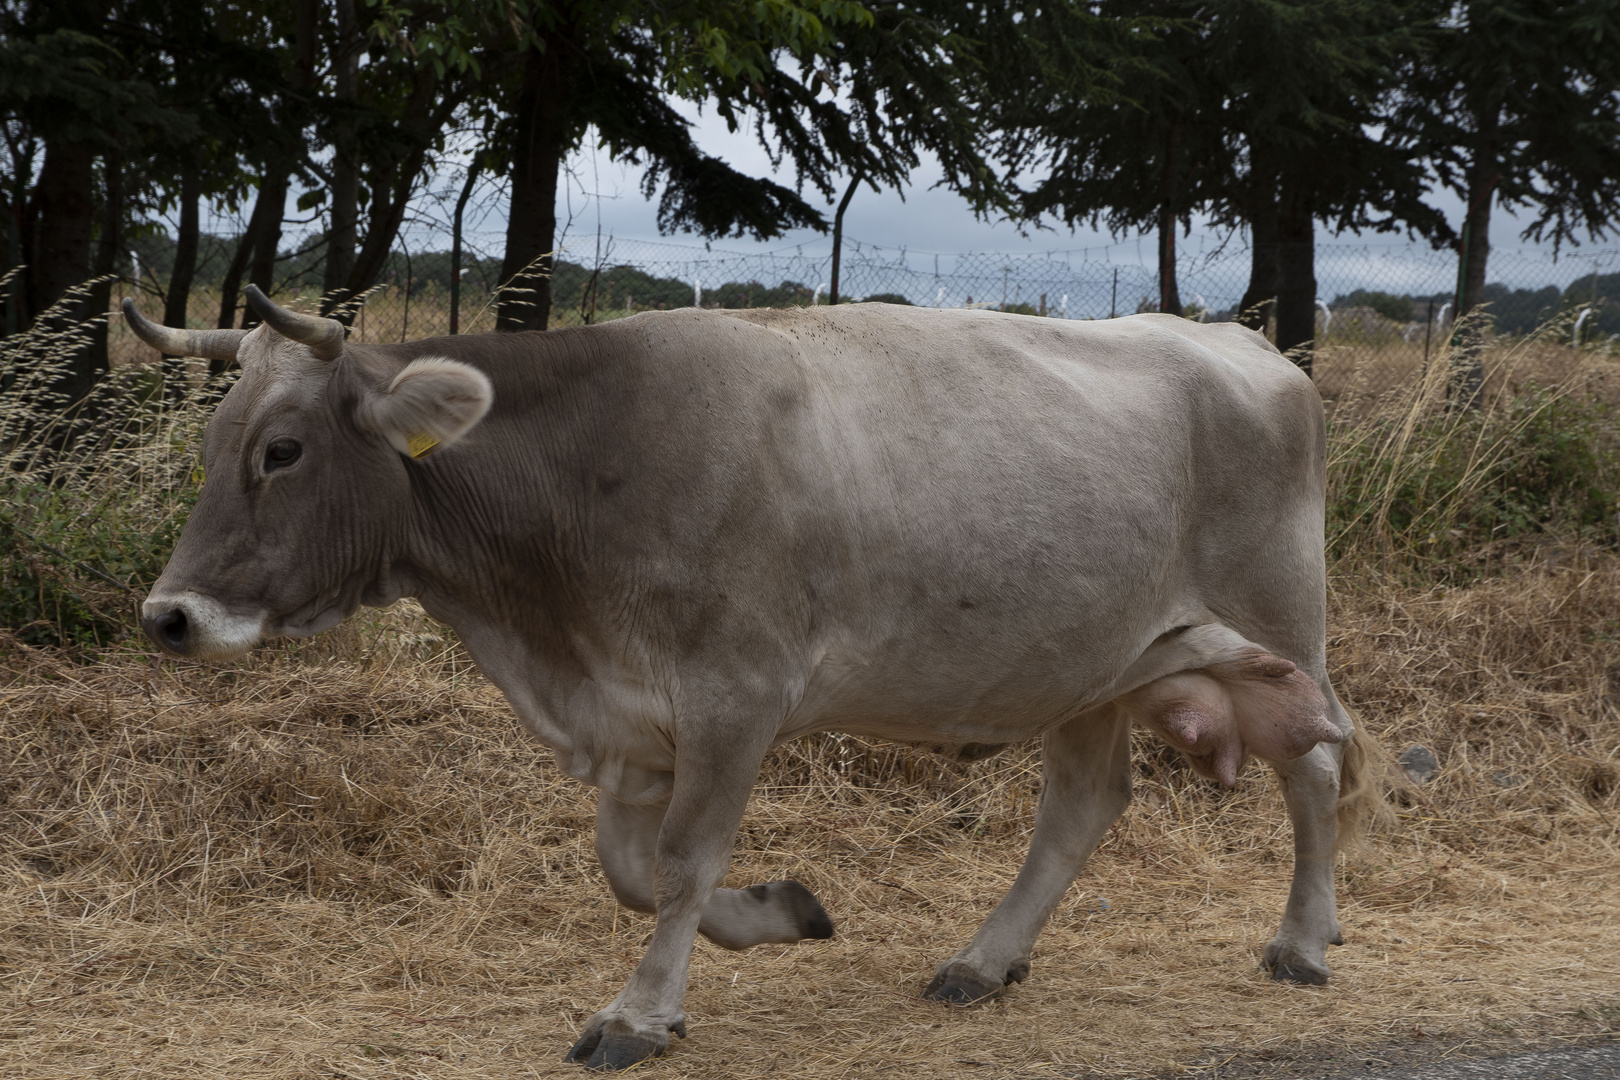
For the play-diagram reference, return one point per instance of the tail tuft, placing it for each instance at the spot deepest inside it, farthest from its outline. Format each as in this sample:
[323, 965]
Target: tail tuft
[1367, 777]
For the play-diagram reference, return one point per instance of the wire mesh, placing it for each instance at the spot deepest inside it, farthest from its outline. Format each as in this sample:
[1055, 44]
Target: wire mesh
[1383, 310]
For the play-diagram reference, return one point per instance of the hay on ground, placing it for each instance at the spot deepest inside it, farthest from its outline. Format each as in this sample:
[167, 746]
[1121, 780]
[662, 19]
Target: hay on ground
[342, 859]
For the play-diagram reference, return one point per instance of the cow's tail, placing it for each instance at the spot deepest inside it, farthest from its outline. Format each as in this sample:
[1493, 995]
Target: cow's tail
[1367, 777]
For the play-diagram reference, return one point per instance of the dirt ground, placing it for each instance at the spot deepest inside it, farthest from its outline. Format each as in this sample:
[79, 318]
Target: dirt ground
[342, 860]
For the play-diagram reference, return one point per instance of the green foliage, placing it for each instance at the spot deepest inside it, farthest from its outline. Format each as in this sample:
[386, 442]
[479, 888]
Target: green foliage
[1435, 487]
[1602, 291]
[751, 294]
[617, 286]
[75, 563]
[1390, 306]
[92, 497]
[1520, 311]
[1515, 102]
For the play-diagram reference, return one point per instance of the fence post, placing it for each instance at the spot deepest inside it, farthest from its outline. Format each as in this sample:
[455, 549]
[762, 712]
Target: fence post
[405, 319]
[1113, 302]
[1428, 328]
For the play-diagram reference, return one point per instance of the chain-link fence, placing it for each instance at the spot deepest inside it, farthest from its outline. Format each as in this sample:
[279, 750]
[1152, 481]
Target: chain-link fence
[1384, 310]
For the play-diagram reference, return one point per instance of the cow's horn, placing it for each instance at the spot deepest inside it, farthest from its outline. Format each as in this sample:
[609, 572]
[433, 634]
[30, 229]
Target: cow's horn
[209, 344]
[323, 336]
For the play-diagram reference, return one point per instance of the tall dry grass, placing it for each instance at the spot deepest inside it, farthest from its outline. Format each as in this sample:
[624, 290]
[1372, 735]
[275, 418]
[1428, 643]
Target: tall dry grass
[1429, 478]
[340, 857]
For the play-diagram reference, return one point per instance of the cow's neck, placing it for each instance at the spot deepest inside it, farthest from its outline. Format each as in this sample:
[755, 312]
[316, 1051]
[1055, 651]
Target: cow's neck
[494, 529]
[500, 548]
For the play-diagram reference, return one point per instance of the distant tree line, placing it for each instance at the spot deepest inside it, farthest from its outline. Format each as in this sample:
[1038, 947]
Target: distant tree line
[1277, 117]
[572, 284]
[1512, 311]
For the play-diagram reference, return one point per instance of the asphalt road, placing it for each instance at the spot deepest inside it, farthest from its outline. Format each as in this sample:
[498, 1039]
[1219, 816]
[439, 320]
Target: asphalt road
[1589, 1063]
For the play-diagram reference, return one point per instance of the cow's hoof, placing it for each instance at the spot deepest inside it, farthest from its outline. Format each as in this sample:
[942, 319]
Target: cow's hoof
[958, 984]
[610, 1045]
[813, 920]
[777, 912]
[1288, 964]
[1303, 975]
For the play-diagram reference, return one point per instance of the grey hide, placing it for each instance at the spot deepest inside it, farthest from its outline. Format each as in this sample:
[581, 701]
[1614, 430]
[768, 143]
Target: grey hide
[676, 539]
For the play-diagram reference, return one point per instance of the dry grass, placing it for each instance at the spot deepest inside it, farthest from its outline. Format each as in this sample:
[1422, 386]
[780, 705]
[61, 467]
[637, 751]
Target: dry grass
[1364, 375]
[342, 860]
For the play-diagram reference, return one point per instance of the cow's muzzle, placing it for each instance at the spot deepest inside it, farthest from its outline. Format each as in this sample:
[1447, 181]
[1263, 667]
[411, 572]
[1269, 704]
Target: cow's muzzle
[190, 624]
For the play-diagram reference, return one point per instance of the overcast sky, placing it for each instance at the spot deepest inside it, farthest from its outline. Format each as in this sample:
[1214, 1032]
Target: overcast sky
[922, 218]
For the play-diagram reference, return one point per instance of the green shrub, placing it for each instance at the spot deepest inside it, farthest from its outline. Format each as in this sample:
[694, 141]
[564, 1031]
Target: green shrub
[1397, 308]
[75, 562]
[92, 497]
[1437, 483]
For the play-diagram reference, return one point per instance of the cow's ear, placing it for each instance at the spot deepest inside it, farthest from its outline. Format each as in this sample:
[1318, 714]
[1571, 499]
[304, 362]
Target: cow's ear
[430, 404]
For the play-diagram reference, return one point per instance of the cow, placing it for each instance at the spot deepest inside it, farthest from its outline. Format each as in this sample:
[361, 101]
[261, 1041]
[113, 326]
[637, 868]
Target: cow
[676, 540]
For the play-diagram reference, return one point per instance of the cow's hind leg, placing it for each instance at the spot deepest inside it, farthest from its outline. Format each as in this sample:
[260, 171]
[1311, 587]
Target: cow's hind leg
[776, 912]
[1086, 784]
[1310, 922]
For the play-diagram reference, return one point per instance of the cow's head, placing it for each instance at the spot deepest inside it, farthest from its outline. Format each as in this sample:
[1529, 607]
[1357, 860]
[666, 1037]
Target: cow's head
[307, 496]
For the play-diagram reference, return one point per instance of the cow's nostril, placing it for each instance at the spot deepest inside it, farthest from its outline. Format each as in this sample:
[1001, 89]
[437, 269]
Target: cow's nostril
[169, 629]
[174, 629]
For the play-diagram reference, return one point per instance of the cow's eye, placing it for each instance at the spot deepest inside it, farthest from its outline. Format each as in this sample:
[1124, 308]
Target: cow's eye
[281, 453]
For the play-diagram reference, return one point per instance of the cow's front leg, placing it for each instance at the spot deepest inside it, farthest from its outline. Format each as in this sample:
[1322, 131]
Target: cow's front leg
[777, 912]
[690, 857]
[1085, 785]
[1310, 922]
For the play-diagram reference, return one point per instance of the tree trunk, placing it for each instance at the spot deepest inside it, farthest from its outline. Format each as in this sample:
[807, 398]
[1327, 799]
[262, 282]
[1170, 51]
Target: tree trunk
[231, 284]
[269, 211]
[231, 287]
[17, 242]
[1169, 291]
[531, 229]
[108, 246]
[1296, 277]
[1260, 298]
[1476, 237]
[264, 206]
[392, 185]
[389, 197]
[64, 212]
[1467, 341]
[14, 260]
[180, 278]
[267, 238]
[838, 239]
[343, 234]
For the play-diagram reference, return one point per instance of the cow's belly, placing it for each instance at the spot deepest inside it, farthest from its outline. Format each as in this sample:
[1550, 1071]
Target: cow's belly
[957, 681]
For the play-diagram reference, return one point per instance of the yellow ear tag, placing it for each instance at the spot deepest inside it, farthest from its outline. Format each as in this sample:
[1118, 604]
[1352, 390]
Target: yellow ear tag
[421, 444]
